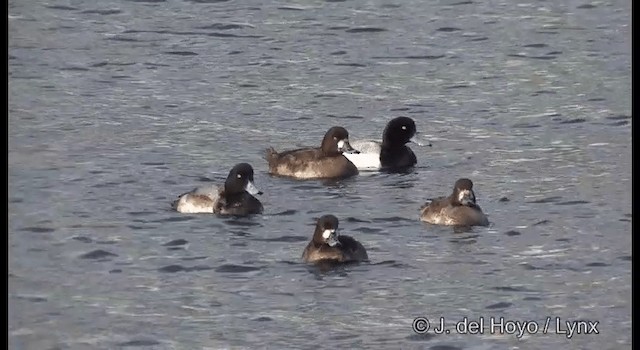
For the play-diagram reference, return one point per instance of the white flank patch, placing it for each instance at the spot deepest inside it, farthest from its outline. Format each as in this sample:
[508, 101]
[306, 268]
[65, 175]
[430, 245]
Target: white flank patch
[364, 161]
[188, 207]
[367, 146]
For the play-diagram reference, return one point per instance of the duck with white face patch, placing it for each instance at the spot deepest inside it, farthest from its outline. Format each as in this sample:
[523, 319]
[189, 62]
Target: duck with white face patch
[458, 209]
[324, 162]
[327, 245]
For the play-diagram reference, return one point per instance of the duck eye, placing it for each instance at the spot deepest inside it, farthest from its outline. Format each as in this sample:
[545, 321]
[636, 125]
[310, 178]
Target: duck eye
[404, 127]
[239, 176]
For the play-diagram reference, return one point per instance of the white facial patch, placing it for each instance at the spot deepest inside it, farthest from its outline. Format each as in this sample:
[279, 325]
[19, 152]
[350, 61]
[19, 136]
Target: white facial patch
[239, 176]
[330, 237]
[466, 197]
[340, 144]
[404, 127]
[327, 233]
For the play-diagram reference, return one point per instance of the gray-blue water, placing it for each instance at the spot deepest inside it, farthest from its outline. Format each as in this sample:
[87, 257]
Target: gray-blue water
[116, 107]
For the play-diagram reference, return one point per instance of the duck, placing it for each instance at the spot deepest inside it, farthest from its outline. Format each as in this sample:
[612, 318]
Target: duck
[392, 153]
[327, 245]
[324, 162]
[458, 209]
[236, 197]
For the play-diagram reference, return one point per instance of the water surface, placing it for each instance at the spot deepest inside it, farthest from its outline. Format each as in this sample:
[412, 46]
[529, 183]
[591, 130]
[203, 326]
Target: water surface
[116, 107]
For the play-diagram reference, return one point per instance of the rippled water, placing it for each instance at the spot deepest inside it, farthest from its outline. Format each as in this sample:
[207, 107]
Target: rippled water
[116, 107]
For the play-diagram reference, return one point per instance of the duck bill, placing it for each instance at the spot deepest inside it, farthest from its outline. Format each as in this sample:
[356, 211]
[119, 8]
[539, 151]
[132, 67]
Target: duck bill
[345, 147]
[466, 197]
[333, 241]
[252, 189]
[331, 237]
[416, 140]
